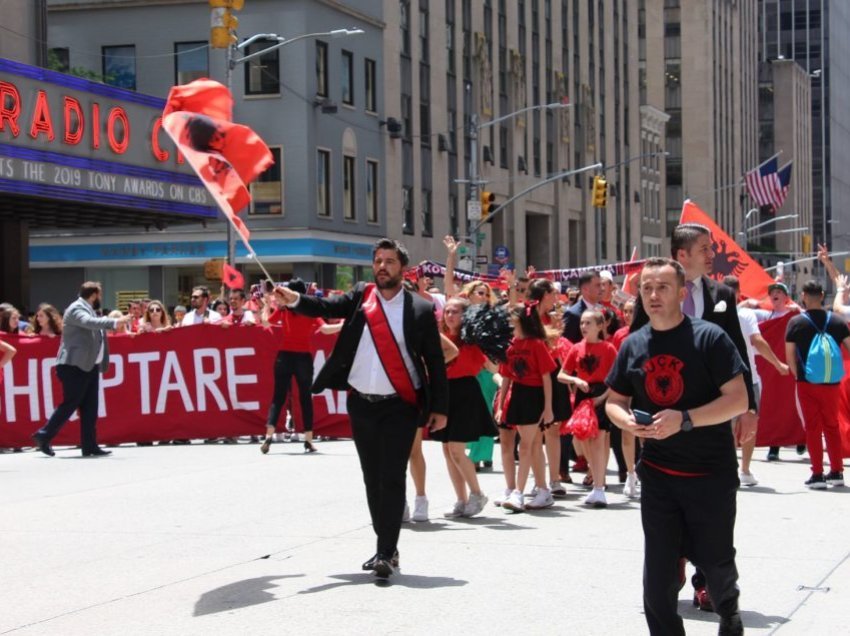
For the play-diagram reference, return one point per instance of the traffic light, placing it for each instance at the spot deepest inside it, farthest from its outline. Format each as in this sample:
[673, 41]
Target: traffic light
[600, 192]
[223, 22]
[487, 206]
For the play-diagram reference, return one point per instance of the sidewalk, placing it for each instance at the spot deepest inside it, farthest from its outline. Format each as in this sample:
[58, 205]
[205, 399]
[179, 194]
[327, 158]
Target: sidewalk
[219, 539]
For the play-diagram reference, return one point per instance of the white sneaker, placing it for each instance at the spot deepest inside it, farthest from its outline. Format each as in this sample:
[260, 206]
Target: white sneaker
[557, 489]
[405, 516]
[533, 492]
[748, 479]
[456, 511]
[543, 499]
[498, 501]
[475, 504]
[514, 502]
[630, 490]
[420, 509]
[596, 498]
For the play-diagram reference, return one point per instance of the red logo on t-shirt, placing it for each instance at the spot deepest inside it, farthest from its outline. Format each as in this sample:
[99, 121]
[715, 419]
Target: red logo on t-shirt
[663, 381]
[588, 364]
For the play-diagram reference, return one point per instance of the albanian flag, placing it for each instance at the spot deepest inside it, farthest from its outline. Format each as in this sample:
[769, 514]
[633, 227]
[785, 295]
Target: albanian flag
[225, 156]
[232, 277]
[729, 258]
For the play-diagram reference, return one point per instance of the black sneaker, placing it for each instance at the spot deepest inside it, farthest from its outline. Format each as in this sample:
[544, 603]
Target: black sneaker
[834, 478]
[816, 482]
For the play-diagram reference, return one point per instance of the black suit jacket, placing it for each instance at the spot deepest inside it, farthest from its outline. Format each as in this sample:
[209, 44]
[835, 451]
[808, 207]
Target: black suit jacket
[421, 337]
[713, 293]
[572, 321]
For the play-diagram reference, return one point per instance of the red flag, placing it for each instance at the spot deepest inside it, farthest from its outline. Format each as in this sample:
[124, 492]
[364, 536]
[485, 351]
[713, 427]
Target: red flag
[232, 277]
[630, 283]
[729, 258]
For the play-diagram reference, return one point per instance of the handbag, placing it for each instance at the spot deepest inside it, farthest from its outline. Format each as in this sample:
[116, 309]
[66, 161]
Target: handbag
[583, 424]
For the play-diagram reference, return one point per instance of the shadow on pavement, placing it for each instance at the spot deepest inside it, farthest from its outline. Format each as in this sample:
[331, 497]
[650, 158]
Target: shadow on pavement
[414, 581]
[756, 620]
[491, 523]
[240, 594]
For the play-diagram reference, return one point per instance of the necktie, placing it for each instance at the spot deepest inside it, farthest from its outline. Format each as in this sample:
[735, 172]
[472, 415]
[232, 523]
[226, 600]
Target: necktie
[688, 307]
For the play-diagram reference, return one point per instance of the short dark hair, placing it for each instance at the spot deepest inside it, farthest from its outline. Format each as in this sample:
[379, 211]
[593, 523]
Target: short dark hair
[297, 285]
[89, 289]
[586, 277]
[685, 235]
[733, 282]
[239, 292]
[662, 261]
[205, 292]
[813, 288]
[392, 244]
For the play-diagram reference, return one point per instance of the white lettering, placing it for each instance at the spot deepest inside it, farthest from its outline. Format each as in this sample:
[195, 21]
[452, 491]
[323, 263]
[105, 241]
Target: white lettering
[206, 381]
[144, 360]
[178, 383]
[176, 192]
[234, 380]
[29, 389]
[327, 395]
[117, 366]
[47, 365]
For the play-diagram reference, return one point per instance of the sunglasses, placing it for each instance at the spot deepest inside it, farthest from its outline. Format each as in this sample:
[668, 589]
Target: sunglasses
[196, 297]
[156, 309]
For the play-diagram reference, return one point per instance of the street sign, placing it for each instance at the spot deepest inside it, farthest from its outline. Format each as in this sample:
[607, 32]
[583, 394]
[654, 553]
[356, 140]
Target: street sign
[501, 254]
[465, 263]
[481, 259]
[463, 249]
[473, 210]
[482, 236]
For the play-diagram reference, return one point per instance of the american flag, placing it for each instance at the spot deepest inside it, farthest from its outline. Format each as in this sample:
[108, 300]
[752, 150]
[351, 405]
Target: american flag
[768, 185]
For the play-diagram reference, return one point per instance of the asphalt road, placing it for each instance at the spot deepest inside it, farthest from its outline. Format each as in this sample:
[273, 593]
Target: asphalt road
[222, 540]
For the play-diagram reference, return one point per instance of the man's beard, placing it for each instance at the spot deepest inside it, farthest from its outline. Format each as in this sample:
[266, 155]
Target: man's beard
[389, 283]
[96, 305]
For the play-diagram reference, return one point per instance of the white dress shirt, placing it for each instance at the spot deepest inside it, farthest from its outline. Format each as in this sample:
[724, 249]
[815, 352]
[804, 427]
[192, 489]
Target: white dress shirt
[367, 374]
[194, 318]
[699, 300]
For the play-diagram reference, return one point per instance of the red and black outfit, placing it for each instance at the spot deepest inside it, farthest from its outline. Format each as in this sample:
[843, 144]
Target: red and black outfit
[294, 360]
[528, 360]
[591, 362]
[469, 416]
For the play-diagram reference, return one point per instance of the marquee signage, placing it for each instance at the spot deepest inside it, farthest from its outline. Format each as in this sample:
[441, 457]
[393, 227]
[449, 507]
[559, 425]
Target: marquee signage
[66, 137]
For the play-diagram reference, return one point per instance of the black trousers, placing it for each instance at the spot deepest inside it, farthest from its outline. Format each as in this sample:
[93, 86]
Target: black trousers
[383, 435]
[287, 365]
[80, 390]
[695, 512]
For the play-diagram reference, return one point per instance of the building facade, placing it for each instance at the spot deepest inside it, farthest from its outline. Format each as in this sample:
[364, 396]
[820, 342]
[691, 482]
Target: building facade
[449, 63]
[316, 102]
[707, 52]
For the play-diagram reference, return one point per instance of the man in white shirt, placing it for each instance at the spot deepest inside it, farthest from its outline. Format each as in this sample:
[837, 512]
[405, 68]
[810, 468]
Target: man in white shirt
[200, 313]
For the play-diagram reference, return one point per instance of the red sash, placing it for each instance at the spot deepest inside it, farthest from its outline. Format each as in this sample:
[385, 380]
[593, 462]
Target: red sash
[386, 346]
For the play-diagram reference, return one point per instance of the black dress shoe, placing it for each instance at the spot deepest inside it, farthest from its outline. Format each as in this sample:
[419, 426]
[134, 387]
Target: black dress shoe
[384, 568]
[370, 564]
[43, 445]
[731, 626]
[97, 452]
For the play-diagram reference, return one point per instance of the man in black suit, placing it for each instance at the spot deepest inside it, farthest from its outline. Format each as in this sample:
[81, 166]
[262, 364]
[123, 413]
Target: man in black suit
[713, 302]
[389, 357]
[590, 287]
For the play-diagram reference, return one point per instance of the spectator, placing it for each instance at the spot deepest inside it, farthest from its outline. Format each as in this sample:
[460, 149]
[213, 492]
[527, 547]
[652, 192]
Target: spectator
[220, 307]
[201, 312]
[238, 314]
[122, 328]
[179, 314]
[48, 321]
[134, 310]
[155, 318]
[10, 319]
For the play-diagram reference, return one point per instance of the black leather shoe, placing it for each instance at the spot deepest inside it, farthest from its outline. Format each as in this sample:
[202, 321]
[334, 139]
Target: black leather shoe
[43, 445]
[383, 568]
[97, 452]
[370, 564]
[731, 626]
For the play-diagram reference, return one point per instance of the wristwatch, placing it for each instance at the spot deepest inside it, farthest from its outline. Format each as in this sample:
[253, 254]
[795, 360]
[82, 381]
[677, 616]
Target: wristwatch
[687, 423]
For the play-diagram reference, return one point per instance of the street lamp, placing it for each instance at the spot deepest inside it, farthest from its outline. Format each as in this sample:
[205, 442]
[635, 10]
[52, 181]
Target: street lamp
[773, 220]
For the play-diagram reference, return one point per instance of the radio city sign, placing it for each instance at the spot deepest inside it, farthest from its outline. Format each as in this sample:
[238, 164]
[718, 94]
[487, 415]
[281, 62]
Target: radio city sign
[67, 137]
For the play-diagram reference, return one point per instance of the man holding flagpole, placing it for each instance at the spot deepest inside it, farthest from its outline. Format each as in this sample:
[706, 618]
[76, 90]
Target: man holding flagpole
[388, 356]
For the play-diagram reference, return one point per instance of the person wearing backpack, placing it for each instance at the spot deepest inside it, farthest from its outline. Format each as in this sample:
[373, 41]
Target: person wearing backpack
[813, 350]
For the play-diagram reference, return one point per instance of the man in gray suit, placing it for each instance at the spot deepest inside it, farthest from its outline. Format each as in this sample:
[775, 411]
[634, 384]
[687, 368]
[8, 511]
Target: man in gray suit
[83, 357]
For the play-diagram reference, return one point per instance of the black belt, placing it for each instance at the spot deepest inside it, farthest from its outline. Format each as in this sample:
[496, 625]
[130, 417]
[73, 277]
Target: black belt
[369, 397]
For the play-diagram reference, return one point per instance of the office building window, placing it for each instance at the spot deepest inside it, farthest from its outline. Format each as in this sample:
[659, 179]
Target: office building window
[59, 59]
[347, 78]
[349, 205]
[427, 217]
[191, 61]
[371, 191]
[322, 69]
[371, 86]
[407, 209]
[262, 74]
[323, 183]
[119, 66]
[404, 24]
[267, 190]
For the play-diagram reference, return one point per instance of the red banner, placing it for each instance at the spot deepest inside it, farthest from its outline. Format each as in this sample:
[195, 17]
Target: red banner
[188, 383]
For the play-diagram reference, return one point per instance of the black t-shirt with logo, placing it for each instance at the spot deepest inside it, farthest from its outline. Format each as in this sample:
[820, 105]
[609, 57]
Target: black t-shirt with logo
[801, 332]
[680, 368]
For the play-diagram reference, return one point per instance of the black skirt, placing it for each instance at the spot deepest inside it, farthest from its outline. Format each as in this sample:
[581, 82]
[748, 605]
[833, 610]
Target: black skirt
[526, 404]
[469, 418]
[561, 407]
[596, 390]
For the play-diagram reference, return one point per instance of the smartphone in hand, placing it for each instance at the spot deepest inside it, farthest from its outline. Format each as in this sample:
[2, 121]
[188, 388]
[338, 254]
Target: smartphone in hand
[642, 417]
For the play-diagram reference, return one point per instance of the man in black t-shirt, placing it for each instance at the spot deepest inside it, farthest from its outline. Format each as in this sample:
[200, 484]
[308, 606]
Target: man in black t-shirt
[688, 375]
[818, 401]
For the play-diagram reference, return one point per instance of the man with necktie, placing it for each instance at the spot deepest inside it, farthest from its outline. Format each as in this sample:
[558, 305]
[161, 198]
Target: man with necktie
[83, 357]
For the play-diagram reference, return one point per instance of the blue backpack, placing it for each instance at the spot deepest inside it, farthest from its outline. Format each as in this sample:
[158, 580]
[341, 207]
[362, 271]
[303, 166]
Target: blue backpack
[823, 364]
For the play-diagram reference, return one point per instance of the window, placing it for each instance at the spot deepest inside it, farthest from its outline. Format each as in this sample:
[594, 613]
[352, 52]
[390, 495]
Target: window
[322, 69]
[262, 74]
[349, 205]
[347, 74]
[119, 66]
[407, 209]
[267, 190]
[371, 88]
[59, 59]
[404, 23]
[371, 191]
[427, 217]
[190, 61]
[323, 183]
